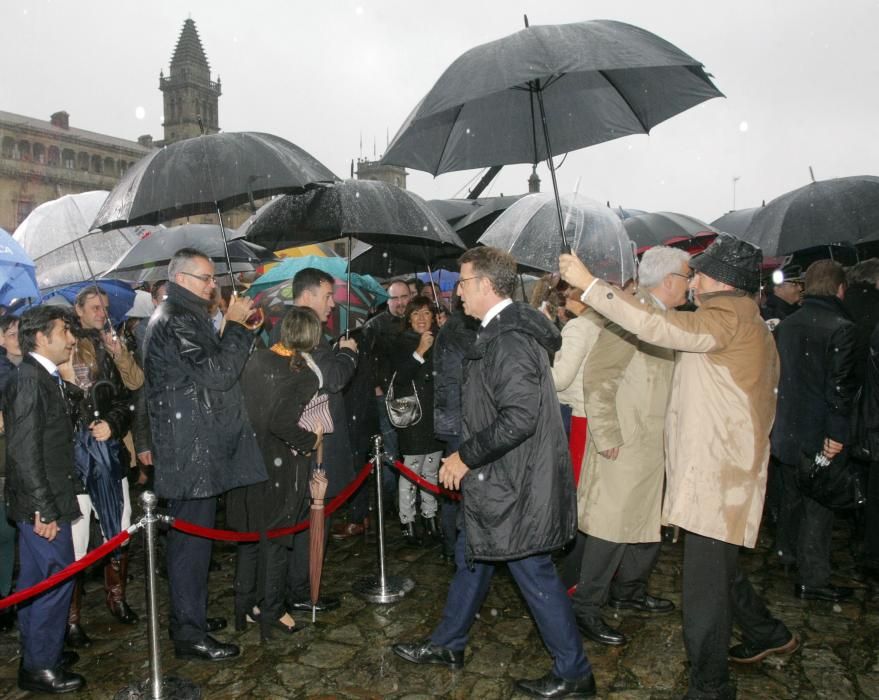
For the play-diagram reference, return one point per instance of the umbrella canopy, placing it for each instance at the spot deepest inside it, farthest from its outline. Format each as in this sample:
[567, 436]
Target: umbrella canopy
[17, 272]
[208, 173]
[736, 221]
[843, 210]
[120, 297]
[148, 259]
[663, 227]
[287, 269]
[486, 210]
[597, 236]
[363, 299]
[626, 213]
[598, 80]
[56, 235]
[367, 210]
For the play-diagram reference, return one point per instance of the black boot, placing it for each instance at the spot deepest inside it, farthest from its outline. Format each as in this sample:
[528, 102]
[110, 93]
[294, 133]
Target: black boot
[409, 535]
[432, 534]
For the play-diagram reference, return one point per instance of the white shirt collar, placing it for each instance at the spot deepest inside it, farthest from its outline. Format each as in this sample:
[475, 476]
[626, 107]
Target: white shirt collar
[50, 366]
[495, 310]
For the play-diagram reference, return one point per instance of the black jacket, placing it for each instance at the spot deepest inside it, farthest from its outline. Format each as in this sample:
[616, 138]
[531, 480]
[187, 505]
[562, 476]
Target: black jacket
[870, 400]
[816, 389]
[519, 497]
[862, 303]
[380, 336]
[777, 308]
[417, 439]
[39, 447]
[109, 399]
[452, 342]
[275, 396]
[203, 444]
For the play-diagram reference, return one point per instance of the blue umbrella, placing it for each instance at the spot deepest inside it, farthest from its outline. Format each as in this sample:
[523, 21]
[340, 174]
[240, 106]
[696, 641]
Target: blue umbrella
[119, 295]
[444, 279]
[17, 272]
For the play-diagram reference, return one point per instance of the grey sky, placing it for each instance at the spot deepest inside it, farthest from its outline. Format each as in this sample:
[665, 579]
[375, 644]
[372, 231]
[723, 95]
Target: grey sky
[800, 78]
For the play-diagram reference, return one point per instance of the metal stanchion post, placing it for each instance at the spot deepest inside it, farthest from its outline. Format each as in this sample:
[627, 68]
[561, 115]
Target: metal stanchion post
[383, 588]
[155, 687]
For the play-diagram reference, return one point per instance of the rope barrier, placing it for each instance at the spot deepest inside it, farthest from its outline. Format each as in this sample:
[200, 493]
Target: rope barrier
[72, 569]
[235, 536]
[424, 483]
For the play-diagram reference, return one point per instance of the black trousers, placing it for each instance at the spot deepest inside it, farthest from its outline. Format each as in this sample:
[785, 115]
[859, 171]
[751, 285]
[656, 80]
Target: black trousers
[189, 560]
[716, 594]
[805, 529]
[871, 517]
[632, 564]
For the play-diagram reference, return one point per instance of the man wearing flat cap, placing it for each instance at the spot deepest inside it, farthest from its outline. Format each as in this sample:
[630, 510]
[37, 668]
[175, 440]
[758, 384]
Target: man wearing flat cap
[720, 412]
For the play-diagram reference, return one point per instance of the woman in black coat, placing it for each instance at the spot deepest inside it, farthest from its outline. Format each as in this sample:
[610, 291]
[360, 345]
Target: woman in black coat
[277, 383]
[413, 364]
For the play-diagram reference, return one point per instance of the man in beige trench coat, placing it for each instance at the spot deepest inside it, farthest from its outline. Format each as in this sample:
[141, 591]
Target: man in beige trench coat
[720, 412]
[626, 383]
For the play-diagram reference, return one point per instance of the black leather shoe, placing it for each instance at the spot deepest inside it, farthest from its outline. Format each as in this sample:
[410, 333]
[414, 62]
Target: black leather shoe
[752, 653]
[123, 612]
[427, 653]
[599, 631]
[68, 658]
[50, 680]
[209, 649]
[551, 686]
[831, 593]
[76, 637]
[215, 624]
[324, 604]
[647, 604]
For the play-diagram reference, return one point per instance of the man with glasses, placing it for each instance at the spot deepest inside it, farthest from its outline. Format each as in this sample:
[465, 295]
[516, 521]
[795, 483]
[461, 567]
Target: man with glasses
[203, 444]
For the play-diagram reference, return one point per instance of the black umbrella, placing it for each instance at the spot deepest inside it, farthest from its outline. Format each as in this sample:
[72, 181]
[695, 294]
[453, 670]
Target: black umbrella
[147, 260]
[735, 222]
[548, 90]
[844, 210]
[472, 226]
[662, 227]
[208, 173]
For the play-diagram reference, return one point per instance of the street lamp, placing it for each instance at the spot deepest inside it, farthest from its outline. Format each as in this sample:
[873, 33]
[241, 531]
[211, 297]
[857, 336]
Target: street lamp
[735, 179]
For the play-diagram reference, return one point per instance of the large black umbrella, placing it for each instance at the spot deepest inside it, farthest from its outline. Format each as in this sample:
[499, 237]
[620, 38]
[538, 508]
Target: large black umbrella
[663, 227]
[488, 209]
[844, 210]
[736, 221]
[147, 260]
[548, 90]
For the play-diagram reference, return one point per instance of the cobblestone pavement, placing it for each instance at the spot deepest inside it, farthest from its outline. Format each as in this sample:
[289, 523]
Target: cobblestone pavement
[346, 654]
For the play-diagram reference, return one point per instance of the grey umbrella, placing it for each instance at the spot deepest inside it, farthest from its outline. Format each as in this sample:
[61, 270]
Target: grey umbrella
[844, 210]
[736, 221]
[663, 227]
[548, 90]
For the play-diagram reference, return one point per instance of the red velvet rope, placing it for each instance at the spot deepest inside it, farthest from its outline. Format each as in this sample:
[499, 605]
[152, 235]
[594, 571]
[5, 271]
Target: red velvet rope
[424, 483]
[234, 536]
[67, 572]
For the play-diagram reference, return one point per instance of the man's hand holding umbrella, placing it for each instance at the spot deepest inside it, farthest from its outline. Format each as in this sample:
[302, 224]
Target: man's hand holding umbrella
[574, 272]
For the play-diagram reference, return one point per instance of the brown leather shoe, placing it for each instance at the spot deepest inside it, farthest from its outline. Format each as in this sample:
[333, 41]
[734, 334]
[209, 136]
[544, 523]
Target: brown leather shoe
[342, 531]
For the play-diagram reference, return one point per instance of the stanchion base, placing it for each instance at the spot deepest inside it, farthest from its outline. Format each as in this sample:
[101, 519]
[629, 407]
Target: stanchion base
[395, 588]
[172, 689]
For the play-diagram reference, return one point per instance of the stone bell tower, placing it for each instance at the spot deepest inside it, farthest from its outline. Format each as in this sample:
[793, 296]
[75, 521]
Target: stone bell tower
[189, 93]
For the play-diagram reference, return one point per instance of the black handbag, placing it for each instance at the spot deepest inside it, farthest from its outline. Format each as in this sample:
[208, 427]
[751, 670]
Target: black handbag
[829, 481]
[403, 411]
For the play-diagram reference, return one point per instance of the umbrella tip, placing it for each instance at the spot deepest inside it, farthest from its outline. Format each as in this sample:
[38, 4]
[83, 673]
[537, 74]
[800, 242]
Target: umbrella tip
[525, 17]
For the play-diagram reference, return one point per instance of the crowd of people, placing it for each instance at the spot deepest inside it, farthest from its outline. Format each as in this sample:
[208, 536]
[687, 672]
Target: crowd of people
[582, 431]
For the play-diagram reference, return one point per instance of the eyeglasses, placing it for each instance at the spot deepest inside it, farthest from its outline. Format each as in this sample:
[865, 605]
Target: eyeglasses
[206, 279]
[689, 276]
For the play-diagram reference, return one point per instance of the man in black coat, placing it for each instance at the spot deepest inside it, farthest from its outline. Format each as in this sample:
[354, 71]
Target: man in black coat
[514, 472]
[313, 288]
[815, 392]
[41, 495]
[203, 444]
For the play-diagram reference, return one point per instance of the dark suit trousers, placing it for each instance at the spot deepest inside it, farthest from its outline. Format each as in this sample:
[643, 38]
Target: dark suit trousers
[717, 594]
[632, 564]
[189, 560]
[547, 600]
[804, 532]
[42, 621]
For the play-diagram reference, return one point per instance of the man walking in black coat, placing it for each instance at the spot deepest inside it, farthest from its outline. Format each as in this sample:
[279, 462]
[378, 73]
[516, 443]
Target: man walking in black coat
[41, 495]
[514, 473]
[203, 444]
[815, 392]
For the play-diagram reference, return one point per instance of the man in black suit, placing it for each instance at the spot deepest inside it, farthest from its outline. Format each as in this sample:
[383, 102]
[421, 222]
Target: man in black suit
[41, 495]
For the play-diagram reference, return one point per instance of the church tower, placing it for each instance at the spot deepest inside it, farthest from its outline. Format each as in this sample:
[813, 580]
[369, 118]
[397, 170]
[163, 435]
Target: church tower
[189, 93]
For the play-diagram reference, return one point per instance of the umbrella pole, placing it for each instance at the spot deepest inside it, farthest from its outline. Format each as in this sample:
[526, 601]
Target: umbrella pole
[433, 287]
[226, 250]
[566, 248]
[348, 292]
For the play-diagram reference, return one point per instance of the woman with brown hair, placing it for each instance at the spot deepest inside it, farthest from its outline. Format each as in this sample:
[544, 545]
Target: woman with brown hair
[278, 383]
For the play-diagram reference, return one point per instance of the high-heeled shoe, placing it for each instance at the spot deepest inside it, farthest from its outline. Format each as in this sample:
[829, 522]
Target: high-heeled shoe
[268, 627]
